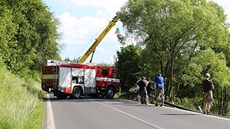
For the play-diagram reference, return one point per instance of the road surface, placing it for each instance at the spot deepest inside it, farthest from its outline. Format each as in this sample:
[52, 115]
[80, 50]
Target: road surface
[89, 113]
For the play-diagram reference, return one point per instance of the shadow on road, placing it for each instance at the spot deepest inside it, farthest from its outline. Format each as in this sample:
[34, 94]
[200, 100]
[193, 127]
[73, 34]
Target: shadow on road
[82, 99]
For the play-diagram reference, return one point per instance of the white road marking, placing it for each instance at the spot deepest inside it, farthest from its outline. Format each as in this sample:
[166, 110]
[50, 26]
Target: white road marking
[150, 124]
[50, 118]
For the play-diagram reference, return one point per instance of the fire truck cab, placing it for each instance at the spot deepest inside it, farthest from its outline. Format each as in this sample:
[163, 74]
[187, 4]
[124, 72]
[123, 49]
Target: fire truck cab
[75, 80]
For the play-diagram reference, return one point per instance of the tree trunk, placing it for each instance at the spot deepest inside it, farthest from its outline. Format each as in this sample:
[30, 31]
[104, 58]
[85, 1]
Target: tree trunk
[220, 103]
[225, 102]
[170, 79]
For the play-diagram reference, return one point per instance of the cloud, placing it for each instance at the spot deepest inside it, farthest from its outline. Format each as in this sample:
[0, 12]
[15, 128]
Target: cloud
[76, 30]
[71, 29]
[102, 50]
[105, 5]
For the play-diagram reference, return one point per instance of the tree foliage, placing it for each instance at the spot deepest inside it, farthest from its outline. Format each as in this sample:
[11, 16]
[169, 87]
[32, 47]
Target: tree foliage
[28, 35]
[129, 65]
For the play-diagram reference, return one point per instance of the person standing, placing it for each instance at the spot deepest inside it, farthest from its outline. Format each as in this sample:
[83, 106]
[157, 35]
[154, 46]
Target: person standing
[142, 90]
[208, 86]
[149, 86]
[138, 97]
[159, 82]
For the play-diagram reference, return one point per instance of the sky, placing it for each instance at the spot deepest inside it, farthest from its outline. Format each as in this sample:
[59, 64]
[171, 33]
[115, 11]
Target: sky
[81, 21]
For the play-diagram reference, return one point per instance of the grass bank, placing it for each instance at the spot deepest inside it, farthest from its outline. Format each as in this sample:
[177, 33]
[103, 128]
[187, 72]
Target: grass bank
[21, 106]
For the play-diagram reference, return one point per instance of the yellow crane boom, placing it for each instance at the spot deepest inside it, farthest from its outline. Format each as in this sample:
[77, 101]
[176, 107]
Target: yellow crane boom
[92, 48]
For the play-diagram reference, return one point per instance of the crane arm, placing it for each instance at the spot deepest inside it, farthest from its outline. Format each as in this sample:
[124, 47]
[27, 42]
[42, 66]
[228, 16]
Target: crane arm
[99, 39]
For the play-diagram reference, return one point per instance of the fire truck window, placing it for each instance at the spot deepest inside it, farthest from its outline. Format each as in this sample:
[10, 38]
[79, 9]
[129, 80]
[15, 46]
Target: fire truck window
[74, 79]
[104, 72]
[78, 79]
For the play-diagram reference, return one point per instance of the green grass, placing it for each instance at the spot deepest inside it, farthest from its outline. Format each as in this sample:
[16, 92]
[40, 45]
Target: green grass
[21, 106]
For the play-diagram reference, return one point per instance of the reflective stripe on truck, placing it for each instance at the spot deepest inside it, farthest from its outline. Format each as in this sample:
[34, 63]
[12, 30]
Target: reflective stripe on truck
[50, 76]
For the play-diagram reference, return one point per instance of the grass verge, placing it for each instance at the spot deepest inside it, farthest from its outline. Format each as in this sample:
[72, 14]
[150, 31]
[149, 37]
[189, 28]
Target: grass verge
[21, 106]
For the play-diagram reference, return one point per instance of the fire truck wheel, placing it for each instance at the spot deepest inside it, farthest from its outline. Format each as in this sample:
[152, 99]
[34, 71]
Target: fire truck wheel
[77, 92]
[110, 92]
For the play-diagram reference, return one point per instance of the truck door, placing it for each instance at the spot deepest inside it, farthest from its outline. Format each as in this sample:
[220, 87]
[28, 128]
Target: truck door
[65, 78]
[90, 81]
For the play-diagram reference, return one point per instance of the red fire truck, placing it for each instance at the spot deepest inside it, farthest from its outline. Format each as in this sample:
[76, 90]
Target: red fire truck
[77, 79]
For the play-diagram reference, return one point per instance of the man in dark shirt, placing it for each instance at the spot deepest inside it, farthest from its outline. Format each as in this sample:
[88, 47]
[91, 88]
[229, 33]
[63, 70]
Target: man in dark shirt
[142, 90]
[208, 95]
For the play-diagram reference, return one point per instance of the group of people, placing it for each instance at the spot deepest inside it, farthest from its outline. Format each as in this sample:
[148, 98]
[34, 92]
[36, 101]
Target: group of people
[144, 88]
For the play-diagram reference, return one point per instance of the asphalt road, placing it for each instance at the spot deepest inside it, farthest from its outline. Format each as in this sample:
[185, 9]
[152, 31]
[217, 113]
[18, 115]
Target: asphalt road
[89, 113]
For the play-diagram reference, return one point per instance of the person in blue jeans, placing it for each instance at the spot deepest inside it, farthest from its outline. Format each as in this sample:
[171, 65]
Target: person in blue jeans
[159, 82]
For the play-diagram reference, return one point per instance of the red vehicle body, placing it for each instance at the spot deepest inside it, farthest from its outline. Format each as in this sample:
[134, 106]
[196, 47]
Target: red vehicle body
[76, 79]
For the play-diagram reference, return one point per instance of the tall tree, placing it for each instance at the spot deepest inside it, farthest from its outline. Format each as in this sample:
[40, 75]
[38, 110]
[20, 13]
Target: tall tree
[174, 30]
[7, 30]
[129, 65]
[30, 35]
